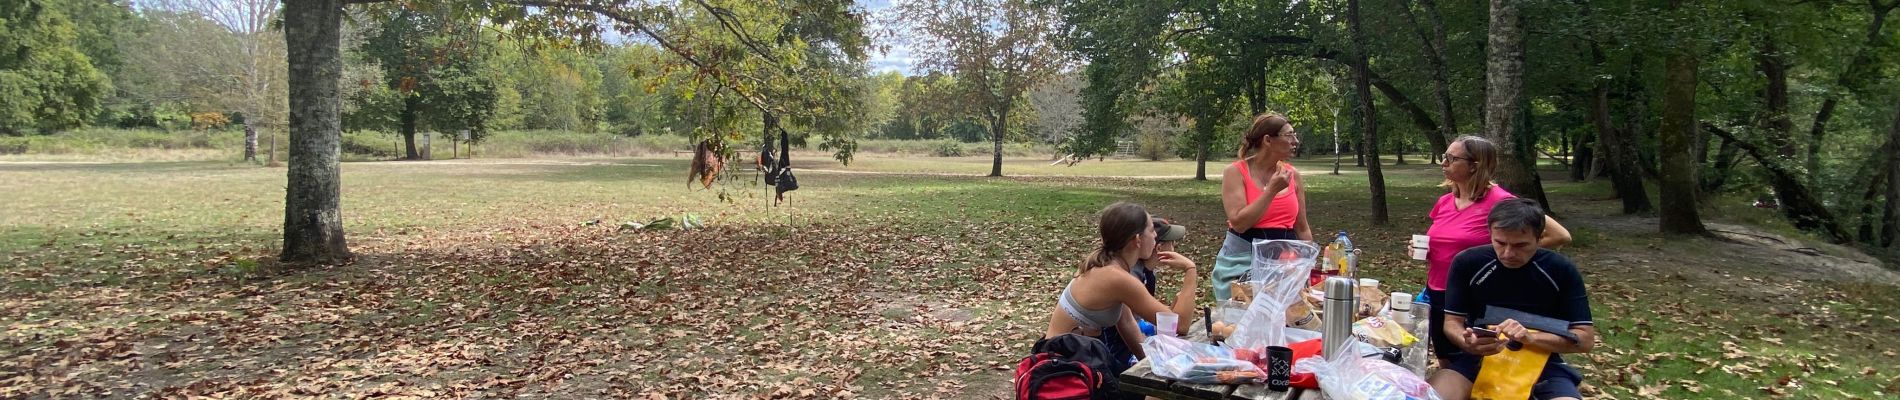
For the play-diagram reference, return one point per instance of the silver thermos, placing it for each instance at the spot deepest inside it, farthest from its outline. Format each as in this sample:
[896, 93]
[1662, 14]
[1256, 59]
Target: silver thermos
[1340, 309]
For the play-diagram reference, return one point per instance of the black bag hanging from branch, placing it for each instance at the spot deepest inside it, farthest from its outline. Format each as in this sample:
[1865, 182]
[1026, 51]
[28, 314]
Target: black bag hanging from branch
[785, 181]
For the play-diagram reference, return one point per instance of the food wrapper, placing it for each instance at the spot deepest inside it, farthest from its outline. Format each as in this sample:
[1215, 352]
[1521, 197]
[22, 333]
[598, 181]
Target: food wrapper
[1371, 300]
[1242, 291]
[1382, 332]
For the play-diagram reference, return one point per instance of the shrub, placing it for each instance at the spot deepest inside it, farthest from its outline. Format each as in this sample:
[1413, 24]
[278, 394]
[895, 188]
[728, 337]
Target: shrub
[948, 148]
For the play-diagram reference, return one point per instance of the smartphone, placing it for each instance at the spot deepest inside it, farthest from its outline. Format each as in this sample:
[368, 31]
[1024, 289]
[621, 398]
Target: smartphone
[1485, 332]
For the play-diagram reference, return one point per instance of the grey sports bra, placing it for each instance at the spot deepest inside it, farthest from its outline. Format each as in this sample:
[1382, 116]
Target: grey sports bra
[1086, 318]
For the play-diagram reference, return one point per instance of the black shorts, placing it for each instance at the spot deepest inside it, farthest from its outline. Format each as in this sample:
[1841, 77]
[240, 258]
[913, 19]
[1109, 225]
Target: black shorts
[1557, 381]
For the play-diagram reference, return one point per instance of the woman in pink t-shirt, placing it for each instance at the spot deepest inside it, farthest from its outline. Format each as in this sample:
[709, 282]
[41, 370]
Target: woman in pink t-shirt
[1458, 222]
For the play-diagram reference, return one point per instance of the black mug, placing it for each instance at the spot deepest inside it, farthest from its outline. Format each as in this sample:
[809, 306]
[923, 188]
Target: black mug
[1279, 368]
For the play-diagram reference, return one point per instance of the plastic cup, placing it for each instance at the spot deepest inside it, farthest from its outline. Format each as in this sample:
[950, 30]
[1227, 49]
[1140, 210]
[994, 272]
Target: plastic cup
[1279, 368]
[1165, 323]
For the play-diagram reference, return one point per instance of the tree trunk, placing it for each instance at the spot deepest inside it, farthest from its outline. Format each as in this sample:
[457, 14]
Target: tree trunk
[1504, 97]
[1359, 150]
[313, 218]
[1892, 227]
[1369, 116]
[1773, 66]
[1869, 200]
[997, 129]
[1582, 158]
[1398, 149]
[1636, 112]
[1678, 184]
[1725, 159]
[1617, 156]
[410, 103]
[250, 141]
[1337, 149]
[1204, 132]
[1797, 202]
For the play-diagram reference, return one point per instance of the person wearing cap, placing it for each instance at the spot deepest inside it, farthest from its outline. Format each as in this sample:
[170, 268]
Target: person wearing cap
[1166, 235]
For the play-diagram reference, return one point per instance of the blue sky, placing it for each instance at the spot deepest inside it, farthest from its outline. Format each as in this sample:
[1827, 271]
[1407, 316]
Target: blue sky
[898, 58]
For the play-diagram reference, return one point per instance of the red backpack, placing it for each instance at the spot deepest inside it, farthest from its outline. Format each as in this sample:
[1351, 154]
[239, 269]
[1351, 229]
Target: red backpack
[1065, 367]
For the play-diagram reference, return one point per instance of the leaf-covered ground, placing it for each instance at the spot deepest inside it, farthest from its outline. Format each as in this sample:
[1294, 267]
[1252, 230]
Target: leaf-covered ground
[479, 279]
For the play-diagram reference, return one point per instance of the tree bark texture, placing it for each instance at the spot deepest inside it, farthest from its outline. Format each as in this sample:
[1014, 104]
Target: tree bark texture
[1679, 167]
[313, 219]
[1504, 96]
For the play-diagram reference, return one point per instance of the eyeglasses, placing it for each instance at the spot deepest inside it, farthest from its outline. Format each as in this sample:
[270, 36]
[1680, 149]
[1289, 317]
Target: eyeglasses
[1448, 156]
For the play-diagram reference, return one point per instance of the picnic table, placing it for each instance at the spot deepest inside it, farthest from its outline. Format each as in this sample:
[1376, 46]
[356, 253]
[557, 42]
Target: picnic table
[1141, 379]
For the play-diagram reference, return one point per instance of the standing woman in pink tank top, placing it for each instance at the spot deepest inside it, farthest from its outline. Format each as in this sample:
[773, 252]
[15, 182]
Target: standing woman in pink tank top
[1262, 196]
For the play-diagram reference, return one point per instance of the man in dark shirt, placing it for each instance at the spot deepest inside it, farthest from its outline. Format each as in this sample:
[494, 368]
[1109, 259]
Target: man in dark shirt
[1514, 273]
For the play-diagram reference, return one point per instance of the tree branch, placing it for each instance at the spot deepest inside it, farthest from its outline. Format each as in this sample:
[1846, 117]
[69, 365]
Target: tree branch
[662, 40]
[733, 25]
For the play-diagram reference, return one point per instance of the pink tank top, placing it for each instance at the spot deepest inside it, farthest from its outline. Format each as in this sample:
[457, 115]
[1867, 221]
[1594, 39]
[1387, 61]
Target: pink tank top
[1286, 206]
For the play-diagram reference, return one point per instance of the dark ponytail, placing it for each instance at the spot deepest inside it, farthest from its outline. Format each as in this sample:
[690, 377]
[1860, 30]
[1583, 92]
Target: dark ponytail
[1118, 223]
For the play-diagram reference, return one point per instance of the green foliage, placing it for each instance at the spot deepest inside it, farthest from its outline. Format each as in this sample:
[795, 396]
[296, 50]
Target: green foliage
[119, 142]
[46, 82]
[949, 148]
[431, 70]
[1157, 145]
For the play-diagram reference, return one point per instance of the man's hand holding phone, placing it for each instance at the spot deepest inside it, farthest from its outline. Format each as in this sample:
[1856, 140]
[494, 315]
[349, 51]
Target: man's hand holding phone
[1484, 342]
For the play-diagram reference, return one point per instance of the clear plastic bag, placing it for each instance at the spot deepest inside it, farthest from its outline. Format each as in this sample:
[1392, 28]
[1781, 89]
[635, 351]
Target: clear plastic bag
[1178, 359]
[1357, 378]
[1280, 272]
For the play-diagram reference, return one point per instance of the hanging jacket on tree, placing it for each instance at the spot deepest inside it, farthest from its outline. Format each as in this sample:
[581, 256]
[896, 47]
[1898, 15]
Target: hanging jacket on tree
[784, 181]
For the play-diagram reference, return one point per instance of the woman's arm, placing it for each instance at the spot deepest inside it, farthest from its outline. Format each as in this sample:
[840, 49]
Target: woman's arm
[1555, 235]
[1131, 334]
[1233, 198]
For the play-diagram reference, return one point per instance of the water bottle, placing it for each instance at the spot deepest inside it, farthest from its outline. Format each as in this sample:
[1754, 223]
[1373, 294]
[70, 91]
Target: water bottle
[1421, 325]
[1348, 257]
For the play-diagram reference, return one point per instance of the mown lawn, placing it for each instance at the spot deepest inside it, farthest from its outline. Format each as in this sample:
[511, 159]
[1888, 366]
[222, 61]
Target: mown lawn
[893, 277]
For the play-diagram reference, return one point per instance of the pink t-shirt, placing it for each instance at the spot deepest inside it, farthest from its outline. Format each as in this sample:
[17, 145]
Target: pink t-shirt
[1454, 230]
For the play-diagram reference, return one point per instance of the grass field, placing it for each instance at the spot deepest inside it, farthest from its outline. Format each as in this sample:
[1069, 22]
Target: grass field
[893, 277]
